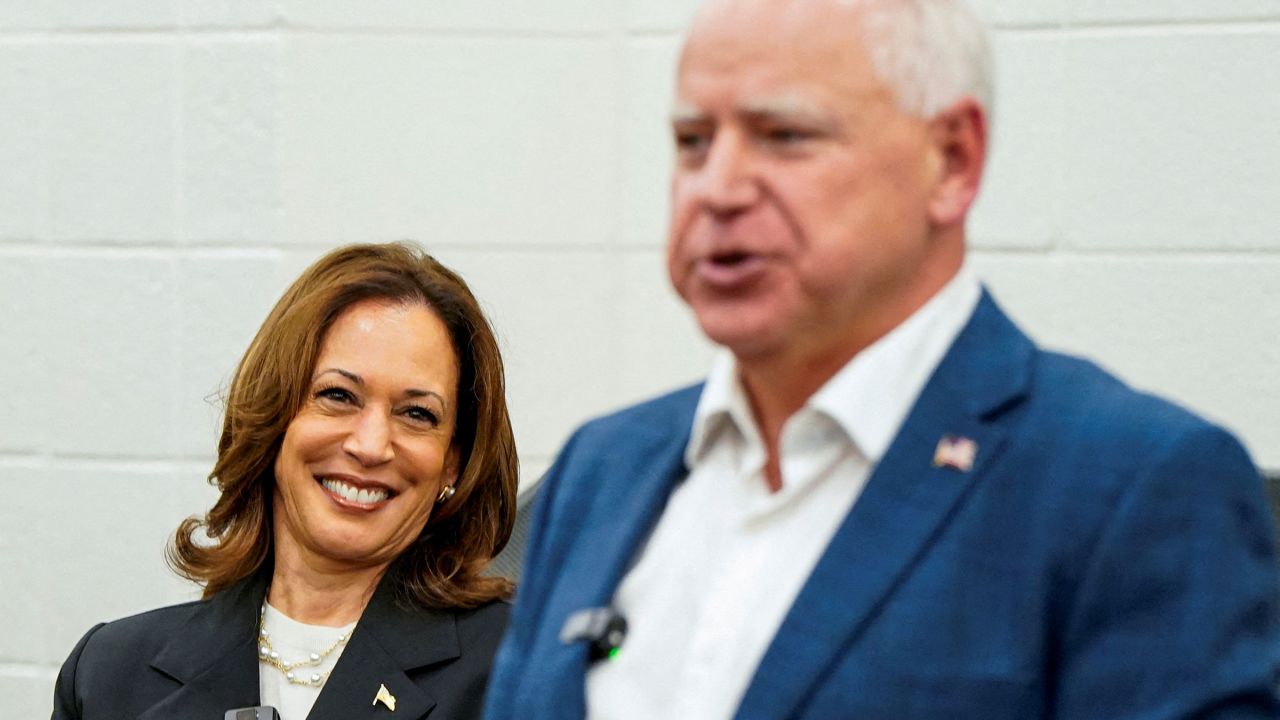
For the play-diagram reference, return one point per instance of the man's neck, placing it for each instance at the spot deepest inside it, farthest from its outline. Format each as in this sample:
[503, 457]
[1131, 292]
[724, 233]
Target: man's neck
[776, 388]
[778, 384]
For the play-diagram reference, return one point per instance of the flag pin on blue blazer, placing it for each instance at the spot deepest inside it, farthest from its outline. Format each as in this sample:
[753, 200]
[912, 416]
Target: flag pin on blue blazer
[386, 697]
[955, 452]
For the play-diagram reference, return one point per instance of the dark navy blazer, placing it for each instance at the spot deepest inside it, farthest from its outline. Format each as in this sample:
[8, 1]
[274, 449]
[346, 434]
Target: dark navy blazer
[1108, 556]
[198, 660]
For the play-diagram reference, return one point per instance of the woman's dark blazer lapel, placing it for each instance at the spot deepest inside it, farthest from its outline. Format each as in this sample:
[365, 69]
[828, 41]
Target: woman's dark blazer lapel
[214, 656]
[389, 641]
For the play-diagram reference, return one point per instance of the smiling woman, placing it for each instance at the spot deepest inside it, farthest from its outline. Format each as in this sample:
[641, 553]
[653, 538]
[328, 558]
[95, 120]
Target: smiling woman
[364, 460]
[368, 474]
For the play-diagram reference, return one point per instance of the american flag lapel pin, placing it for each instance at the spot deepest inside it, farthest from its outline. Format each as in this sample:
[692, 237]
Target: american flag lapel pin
[955, 452]
[385, 697]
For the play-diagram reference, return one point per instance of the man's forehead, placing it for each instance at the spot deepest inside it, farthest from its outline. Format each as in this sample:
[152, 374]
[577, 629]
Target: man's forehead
[790, 104]
[751, 62]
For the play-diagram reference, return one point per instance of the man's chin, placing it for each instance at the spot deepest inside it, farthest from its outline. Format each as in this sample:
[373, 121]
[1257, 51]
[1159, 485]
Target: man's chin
[747, 341]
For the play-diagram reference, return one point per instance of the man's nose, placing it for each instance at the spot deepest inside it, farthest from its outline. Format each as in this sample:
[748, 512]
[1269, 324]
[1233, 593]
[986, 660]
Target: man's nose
[726, 182]
[369, 440]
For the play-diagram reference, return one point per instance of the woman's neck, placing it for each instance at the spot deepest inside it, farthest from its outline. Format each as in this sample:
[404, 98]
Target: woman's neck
[318, 593]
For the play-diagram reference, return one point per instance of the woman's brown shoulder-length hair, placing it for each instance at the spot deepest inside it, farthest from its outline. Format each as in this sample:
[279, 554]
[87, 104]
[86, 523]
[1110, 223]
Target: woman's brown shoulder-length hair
[442, 568]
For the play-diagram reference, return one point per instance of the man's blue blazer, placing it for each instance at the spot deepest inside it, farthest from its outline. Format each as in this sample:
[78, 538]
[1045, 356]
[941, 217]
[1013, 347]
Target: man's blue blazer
[1108, 556]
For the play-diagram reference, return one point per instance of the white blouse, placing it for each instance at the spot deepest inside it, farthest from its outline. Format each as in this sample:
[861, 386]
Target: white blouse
[295, 641]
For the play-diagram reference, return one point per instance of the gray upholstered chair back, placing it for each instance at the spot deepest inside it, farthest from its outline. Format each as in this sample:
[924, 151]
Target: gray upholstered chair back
[510, 561]
[1272, 478]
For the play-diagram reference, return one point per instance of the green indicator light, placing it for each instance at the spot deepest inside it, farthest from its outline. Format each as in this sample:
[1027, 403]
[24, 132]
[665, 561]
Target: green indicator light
[613, 652]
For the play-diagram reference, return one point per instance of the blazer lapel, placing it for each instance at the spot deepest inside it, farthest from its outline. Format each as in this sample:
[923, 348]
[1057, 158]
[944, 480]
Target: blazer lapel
[903, 508]
[389, 641]
[634, 481]
[654, 465]
[214, 657]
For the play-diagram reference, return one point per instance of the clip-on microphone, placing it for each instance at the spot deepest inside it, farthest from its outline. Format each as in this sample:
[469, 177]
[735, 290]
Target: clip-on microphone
[603, 627]
[259, 712]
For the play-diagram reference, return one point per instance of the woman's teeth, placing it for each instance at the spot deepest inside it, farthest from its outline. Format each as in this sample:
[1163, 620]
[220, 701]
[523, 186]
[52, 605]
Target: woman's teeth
[351, 494]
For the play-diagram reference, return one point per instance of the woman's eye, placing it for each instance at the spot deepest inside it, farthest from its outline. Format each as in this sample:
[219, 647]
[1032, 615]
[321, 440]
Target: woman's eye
[421, 415]
[335, 394]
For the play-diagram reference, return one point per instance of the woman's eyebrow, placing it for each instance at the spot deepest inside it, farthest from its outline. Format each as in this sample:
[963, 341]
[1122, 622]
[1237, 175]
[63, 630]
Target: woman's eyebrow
[410, 392]
[416, 393]
[344, 373]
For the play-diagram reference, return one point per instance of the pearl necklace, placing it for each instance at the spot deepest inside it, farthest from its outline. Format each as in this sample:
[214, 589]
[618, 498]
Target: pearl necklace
[268, 656]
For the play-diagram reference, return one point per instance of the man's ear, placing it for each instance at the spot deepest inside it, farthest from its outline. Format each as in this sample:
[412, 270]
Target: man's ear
[959, 136]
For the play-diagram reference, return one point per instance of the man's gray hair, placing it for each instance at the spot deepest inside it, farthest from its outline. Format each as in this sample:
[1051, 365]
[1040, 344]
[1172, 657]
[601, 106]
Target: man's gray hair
[931, 52]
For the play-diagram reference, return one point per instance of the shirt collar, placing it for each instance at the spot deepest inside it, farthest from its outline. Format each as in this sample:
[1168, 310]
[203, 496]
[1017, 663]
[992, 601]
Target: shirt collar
[722, 407]
[869, 397]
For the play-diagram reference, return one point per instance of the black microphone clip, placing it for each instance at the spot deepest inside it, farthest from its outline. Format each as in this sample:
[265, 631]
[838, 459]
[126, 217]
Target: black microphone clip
[602, 627]
[258, 712]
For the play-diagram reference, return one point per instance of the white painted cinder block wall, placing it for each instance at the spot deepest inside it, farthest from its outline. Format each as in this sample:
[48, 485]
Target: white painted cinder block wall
[167, 166]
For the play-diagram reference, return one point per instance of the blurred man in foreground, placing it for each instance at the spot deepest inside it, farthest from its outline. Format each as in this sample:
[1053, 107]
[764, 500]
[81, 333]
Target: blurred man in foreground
[885, 501]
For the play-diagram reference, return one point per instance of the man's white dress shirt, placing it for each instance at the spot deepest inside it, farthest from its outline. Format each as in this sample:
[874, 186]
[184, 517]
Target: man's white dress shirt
[728, 558]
